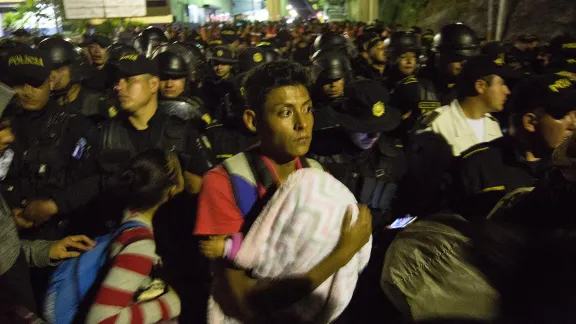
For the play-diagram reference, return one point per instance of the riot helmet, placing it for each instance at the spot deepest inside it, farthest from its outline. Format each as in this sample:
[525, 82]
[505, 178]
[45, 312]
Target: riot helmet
[189, 58]
[330, 40]
[456, 42]
[172, 65]
[330, 65]
[60, 51]
[148, 40]
[402, 42]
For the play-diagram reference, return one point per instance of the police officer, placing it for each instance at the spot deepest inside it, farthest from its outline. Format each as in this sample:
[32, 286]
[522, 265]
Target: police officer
[52, 149]
[218, 92]
[453, 45]
[148, 40]
[543, 116]
[331, 71]
[98, 51]
[271, 53]
[68, 71]
[450, 130]
[140, 127]
[374, 65]
[177, 96]
[362, 155]
[563, 51]
[413, 96]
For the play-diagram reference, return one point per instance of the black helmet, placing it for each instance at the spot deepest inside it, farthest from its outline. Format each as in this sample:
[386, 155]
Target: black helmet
[117, 50]
[60, 51]
[456, 40]
[148, 40]
[271, 53]
[402, 42]
[330, 40]
[191, 59]
[172, 65]
[330, 65]
[250, 58]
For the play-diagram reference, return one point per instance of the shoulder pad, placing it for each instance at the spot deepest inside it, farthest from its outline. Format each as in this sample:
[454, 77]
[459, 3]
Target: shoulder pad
[176, 127]
[474, 150]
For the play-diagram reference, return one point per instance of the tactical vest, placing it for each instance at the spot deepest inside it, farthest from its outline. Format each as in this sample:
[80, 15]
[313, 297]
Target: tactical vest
[116, 148]
[247, 173]
[375, 181]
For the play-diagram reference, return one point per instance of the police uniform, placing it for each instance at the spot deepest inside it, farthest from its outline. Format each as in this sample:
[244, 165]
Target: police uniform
[372, 174]
[52, 149]
[488, 171]
[98, 77]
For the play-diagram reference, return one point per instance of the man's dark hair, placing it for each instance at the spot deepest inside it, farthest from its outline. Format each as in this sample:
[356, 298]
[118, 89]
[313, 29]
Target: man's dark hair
[260, 81]
[467, 88]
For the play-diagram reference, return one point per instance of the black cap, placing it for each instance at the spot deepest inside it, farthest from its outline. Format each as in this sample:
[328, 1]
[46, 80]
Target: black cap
[493, 49]
[26, 66]
[131, 65]
[228, 36]
[117, 50]
[564, 46]
[215, 42]
[552, 92]
[482, 66]
[21, 32]
[373, 41]
[101, 40]
[222, 54]
[249, 58]
[365, 108]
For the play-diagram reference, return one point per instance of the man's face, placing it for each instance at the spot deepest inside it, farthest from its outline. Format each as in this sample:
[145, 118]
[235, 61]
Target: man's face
[98, 54]
[135, 92]
[495, 94]
[285, 123]
[31, 98]
[407, 63]
[222, 70]
[555, 131]
[172, 88]
[60, 78]
[454, 68]
[334, 89]
[377, 54]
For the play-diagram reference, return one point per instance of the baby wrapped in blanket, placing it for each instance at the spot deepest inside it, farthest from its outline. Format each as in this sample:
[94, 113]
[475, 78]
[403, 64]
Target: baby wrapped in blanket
[296, 230]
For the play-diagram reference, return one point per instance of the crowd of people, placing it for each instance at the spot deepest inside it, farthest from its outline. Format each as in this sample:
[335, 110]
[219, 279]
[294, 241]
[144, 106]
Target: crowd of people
[304, 173]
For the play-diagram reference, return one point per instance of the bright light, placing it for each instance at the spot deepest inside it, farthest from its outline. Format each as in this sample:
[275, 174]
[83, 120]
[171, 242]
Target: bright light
[326, 18]
[319, 14]
[289, 7]
[293, 13]
[289, 20]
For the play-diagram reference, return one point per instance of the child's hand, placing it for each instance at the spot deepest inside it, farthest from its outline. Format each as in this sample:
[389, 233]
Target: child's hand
[214, 247]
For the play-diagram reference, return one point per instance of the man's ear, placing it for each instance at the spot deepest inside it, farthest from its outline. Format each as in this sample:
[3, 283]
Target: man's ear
[154, 83]
[249, 117]
[529, 122]
[480, 86]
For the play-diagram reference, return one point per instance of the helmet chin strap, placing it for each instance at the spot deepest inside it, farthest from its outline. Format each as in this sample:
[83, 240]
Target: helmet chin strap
[59, 93]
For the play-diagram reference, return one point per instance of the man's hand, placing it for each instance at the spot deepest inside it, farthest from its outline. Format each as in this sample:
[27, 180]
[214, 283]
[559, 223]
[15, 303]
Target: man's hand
[21, 222]
[71, 247]
[40, 211]
[6, 135]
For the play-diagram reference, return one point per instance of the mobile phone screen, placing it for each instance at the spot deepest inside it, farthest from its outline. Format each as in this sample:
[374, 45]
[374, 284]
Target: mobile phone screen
[402, 222]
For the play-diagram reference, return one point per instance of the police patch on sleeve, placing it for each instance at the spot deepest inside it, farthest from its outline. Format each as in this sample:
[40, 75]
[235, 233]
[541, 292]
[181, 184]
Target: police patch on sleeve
[79, 149]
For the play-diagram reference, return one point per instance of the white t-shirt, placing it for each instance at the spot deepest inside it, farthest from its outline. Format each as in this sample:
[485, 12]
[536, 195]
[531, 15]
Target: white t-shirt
[478, 127]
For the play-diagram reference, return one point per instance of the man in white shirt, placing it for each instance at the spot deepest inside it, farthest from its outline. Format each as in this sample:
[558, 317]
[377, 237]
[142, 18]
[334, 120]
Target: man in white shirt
[467, 120]
[445, 133]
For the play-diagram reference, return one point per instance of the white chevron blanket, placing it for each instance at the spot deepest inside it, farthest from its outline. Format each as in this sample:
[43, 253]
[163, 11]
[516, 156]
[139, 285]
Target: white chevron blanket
[297, 229]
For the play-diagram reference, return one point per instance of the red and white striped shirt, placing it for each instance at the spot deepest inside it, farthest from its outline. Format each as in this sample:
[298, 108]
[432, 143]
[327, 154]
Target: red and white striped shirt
[133, 255]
